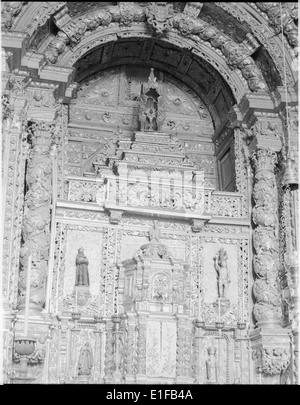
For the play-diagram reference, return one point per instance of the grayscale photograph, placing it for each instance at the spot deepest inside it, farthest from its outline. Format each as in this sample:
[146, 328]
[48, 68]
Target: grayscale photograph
[149, 228]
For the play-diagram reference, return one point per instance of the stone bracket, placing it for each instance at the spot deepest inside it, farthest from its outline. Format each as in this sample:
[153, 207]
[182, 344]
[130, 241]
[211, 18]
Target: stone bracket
[115, 216]
[198, 224]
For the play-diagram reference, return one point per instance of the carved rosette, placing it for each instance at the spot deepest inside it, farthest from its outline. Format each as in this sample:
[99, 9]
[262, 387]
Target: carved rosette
[266, 289]
[36, 224]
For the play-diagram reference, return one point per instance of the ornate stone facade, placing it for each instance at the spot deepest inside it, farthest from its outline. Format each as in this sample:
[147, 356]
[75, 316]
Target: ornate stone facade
[150, 180]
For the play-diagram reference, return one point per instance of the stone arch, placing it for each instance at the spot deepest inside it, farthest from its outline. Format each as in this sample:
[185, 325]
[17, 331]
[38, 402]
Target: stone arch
[252, 18]
[235, 81]
[195, 36]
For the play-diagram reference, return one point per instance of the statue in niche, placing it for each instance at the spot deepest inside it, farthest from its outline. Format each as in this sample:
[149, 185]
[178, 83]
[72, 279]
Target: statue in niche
[211, 365]
[82, 272]
[223, 272]
[150, 103]
[85, 361]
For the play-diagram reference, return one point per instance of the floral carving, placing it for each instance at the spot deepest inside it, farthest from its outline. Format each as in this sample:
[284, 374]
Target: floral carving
[6, 107]
[265, 238]
[271, 361]
[88, 191]
[237, 55]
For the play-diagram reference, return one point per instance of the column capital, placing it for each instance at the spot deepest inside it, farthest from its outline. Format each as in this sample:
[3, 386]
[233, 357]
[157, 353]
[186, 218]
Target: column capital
[263, 159]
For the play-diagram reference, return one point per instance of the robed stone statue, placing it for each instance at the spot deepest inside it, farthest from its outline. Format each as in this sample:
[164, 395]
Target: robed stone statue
[85, 361]
[82, 272]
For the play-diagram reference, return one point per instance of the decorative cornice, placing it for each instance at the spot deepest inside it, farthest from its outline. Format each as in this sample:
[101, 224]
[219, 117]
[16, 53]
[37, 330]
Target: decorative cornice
[14, 39]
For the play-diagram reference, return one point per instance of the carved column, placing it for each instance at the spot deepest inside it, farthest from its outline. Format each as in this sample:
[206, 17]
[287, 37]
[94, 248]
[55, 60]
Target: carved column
[267, 309]
[270, 342]
[36, 225]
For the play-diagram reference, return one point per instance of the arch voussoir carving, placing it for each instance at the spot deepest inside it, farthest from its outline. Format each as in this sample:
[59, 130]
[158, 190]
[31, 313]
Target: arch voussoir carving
[237, 56]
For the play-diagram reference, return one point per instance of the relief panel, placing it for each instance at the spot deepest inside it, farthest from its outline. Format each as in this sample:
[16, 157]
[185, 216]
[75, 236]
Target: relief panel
[161, 349]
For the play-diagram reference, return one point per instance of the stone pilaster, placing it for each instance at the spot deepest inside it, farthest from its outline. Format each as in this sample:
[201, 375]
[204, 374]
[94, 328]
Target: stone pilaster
[141, 343]
[130, 354]
[118, 350]
[37, 216]
[109, 350]
[184, 372]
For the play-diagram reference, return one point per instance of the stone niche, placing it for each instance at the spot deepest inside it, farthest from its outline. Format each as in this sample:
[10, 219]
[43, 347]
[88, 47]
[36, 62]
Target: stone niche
[154, 281]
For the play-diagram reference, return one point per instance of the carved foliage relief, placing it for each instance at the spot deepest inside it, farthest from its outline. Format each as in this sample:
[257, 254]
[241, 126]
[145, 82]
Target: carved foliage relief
[161, 348]
[36, 226]
[265, 238]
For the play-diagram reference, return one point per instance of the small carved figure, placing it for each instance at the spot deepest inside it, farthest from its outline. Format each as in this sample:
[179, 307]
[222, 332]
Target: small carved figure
[223, 272]
[211, 366]
[82, 273]
[149, 102]
[39, 353]
[85, 362]
[161, 288]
